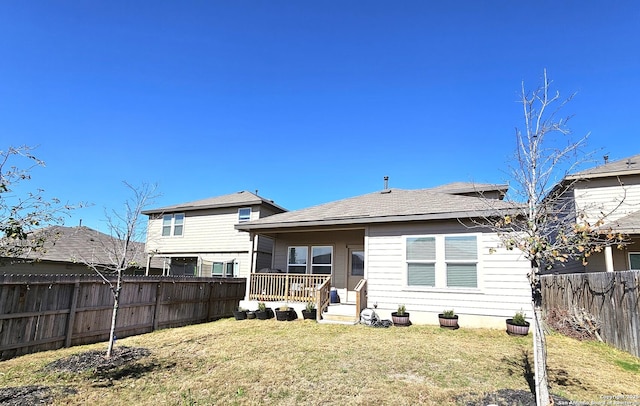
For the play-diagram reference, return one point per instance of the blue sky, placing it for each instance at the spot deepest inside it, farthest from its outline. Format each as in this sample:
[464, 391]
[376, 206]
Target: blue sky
[304, 101]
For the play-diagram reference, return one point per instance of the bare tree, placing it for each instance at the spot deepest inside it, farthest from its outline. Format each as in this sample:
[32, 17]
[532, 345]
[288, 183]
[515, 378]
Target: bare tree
[544, 223]
[23, 212]
[124, 249]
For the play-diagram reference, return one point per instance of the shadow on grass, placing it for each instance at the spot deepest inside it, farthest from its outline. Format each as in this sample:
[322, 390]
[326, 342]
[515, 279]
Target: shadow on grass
[523, 366]
[106, 376]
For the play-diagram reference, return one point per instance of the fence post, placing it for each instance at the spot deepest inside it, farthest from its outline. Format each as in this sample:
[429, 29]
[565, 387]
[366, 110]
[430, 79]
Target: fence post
[72, 314]
[156, 311]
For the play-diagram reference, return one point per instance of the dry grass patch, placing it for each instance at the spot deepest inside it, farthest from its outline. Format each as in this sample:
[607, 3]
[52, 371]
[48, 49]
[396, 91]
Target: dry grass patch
[254, 362]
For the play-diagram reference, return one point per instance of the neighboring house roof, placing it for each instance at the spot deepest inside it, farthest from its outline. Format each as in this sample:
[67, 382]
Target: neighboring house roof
[625, 166]
[389, 205]
[629, 224]
[83, 244]
[463, 188]
[239, 199]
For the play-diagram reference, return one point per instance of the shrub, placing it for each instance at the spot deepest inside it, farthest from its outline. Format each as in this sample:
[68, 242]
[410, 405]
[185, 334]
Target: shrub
[401, 310]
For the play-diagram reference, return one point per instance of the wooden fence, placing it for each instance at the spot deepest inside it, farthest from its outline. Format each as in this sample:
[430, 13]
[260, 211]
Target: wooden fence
[613, 297]
[45, 312]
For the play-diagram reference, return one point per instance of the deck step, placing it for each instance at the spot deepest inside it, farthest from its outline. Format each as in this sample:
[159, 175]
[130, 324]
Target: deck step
[336, 319]
[342, 313]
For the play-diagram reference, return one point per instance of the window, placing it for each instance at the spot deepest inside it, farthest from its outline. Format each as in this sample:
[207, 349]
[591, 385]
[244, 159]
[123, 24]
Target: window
[172, 224]
[297, 262]
[634, 261]
[321, 259]
[228, 269]
[421, 261]
[244, 214]
[442, 261]
[461, 256]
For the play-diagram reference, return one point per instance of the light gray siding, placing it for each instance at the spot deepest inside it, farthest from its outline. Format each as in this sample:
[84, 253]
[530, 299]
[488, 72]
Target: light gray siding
[502, 289]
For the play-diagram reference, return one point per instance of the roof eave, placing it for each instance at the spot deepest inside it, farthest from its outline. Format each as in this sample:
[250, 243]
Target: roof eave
[585, 176]
[372, 220]
[174, 209]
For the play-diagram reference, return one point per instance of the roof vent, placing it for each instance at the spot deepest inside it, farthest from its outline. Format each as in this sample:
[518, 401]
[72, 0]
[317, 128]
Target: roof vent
[386, 182]
[630, 163]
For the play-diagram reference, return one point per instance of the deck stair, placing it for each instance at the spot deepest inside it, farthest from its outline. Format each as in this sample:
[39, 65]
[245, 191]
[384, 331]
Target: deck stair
[340, 313]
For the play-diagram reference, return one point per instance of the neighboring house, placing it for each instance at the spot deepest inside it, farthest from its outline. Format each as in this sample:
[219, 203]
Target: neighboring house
[421, 248]
[610, 192]
[67, 250]
[199, 239]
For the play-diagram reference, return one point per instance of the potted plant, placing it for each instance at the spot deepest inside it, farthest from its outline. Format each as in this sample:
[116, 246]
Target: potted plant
[310, 312]
[264, 312]
[518, 325]
[240, 313]
[286, 313]
[448, 319]
[401, 317]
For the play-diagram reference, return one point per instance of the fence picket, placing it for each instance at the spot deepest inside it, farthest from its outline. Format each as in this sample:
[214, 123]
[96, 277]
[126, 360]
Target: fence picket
[45, 312]
[614, 297]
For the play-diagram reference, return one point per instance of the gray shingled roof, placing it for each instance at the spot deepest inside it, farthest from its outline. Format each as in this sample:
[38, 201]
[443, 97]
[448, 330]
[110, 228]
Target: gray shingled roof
[467, 187]
[391, 205]
[626, 166]
[242, 198]
[73, 244]
[629, 224]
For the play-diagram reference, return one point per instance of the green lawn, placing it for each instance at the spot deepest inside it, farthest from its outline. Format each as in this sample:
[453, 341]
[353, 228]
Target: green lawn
[301, 362]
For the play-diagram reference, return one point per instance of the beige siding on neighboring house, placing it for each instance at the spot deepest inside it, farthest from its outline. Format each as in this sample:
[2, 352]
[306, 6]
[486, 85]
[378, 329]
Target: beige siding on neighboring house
[614, 201]
[204, 231]
[502, 289]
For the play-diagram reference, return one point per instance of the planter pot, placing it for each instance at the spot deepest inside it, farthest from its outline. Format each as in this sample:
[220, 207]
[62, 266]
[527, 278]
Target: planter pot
[251, 315]
[240, 314]
[400, 321]
[286, 315]
[450, 323]
[516, 329]
[267, 314]
[310, 314]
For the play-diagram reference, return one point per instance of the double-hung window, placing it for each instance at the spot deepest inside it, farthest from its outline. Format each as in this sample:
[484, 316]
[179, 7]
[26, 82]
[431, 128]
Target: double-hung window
[634, 260]
[297, 262]
[172, 224]
[314, 259]
[321, 260]
[461, 257]
[442, 261]
[421, 261]
[244, 214]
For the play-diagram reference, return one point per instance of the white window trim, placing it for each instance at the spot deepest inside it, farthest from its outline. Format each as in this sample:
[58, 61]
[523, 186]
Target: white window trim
[240, 218]
[441, 264]
[629, 258]
[306, 264]
[172, 226]
[309, 264]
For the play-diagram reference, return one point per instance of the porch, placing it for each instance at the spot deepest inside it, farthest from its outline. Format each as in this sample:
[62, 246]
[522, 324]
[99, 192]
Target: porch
[301, 288]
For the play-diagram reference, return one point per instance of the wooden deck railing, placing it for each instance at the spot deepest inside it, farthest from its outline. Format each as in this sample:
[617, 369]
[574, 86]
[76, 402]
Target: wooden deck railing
[323, 298]
[361, 297]
[287, 287]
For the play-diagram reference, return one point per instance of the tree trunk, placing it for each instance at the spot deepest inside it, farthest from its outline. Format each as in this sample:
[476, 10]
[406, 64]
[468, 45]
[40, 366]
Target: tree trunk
[114, 315]
[540, 358]
[539, 342]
